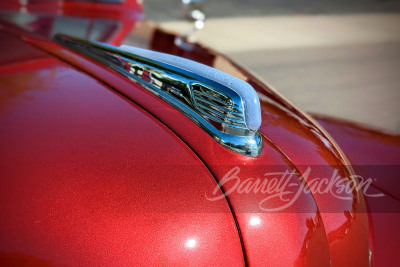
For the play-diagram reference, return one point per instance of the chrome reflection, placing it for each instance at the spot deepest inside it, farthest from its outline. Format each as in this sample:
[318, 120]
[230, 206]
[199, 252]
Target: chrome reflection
[211, 104]
[192, 11]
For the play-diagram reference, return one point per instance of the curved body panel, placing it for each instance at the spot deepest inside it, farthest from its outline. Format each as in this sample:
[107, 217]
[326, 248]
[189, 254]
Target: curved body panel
[339, 228]
[109, 172]
[94, 20]
[375, 154]
[90, 178]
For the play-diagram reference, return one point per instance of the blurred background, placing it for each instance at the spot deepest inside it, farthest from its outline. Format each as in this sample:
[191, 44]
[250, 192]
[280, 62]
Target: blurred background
[334, 57]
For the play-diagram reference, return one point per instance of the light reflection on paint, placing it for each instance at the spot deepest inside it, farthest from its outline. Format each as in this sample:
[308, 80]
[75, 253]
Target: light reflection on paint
[255, 221]
[191, 243]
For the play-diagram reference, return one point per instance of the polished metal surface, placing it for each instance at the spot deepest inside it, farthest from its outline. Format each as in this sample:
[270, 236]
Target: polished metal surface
[227, 108]
[193, 12]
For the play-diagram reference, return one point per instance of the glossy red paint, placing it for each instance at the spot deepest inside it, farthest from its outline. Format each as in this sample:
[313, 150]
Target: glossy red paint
[372, 153]
[101, 215]
[384, 230]
[308, 239]
[90, 178]
[75, 7]
[362, 144]
[368, 150]
[48, 17]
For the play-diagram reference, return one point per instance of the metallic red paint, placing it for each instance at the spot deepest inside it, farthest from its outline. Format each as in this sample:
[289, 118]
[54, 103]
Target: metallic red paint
[43, 16]
[337, 237]
[363, 145]
[90, 178]
[372, 152]
[108, 153]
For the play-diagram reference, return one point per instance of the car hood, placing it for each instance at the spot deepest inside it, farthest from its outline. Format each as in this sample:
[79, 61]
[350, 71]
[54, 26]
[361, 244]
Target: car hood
[315, 229]
[90, 178]
[326, 227]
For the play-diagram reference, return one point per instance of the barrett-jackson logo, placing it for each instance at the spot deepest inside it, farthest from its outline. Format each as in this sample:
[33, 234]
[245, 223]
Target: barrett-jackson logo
[285, 187]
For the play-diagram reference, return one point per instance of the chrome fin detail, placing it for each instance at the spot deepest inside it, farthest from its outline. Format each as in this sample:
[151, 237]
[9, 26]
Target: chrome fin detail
[227, 108]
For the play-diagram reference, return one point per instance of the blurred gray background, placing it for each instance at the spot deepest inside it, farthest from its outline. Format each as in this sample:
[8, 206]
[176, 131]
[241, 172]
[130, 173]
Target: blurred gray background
[335, 57]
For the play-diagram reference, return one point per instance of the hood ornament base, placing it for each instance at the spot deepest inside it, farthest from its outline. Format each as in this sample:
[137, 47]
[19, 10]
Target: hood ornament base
[227, 108]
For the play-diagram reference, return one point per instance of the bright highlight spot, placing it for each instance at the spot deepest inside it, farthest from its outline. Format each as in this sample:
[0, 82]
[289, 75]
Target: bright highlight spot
[191, 243]
[255, 221]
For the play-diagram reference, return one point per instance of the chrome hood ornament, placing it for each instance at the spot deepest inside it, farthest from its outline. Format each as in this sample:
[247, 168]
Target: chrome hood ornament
[227, 108]
[192, 11]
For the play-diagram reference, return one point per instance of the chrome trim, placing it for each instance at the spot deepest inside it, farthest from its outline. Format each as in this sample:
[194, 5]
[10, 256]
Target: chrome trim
[193, 12]
[212, 104]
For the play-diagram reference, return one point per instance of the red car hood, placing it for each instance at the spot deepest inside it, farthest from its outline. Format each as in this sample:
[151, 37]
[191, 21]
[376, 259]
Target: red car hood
[99, 177]
[90, 178]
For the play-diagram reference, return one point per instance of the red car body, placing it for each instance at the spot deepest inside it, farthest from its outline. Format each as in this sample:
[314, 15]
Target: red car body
[97, 171]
